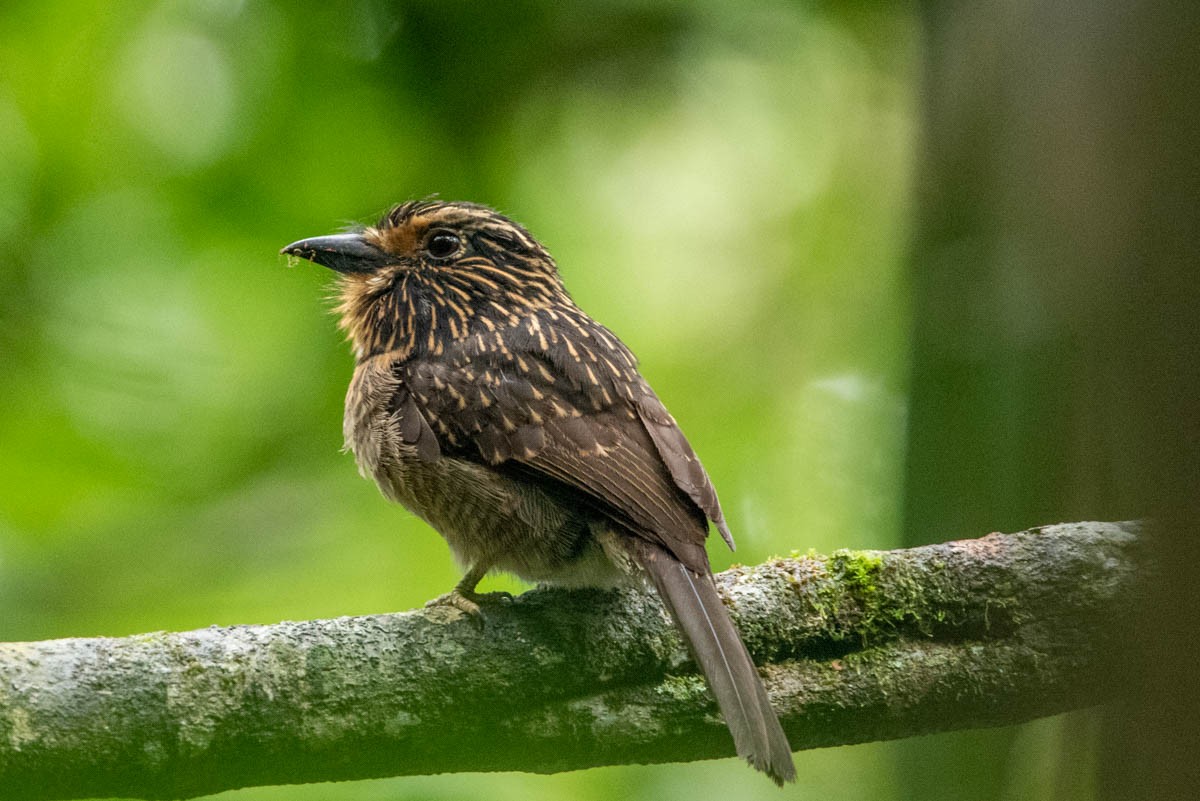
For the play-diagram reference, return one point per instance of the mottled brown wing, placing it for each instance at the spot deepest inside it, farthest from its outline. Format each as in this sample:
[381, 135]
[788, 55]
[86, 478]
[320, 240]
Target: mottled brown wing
[623, 470]
[682, 462]
[580, 416]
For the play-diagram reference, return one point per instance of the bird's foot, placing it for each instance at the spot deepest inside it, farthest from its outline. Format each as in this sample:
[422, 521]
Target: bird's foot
[469, 602]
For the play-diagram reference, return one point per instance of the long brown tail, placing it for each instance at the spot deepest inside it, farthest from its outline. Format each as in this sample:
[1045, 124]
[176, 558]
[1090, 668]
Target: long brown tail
[716, 646]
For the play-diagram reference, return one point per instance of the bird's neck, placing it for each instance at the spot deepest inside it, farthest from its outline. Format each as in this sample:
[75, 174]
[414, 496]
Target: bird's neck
[412, 317]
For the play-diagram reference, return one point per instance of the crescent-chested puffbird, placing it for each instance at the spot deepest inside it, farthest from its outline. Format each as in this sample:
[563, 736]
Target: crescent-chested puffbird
[490, 405]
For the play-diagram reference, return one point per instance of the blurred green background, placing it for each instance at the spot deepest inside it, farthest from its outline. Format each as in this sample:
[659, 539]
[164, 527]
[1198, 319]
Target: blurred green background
[728, 186]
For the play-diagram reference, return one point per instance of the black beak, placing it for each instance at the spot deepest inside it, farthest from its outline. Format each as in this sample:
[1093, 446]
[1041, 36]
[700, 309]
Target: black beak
[346, 253]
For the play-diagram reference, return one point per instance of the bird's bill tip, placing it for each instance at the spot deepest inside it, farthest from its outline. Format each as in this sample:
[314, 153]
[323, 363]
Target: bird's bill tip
[345, 253]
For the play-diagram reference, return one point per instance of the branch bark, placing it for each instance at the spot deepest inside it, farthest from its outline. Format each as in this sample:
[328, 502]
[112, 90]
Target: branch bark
[857, 646]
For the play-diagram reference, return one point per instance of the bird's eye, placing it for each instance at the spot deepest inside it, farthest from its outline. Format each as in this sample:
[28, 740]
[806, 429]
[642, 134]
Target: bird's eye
[442, 244]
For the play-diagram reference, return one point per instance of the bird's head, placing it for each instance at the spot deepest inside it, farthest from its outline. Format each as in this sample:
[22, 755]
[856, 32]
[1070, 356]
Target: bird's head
[431, 270]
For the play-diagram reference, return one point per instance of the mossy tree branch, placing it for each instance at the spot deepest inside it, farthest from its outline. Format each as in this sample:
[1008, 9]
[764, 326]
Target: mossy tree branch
[858, 646]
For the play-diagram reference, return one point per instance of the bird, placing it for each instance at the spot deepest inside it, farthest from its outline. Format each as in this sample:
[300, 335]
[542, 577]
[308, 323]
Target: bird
[491, 406]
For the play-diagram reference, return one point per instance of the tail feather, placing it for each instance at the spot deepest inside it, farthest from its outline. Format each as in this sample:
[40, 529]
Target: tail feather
[716, 646]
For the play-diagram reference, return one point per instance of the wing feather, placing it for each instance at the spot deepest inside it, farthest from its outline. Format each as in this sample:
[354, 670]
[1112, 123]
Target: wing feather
[414, 428]
[590, 424]
[682, 462]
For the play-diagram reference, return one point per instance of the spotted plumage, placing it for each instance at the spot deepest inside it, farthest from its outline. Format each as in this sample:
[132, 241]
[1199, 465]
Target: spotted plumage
[488, 403]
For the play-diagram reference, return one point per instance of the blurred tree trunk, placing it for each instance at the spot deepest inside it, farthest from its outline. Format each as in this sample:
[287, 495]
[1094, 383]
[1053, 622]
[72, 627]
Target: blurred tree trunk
[1055, 370]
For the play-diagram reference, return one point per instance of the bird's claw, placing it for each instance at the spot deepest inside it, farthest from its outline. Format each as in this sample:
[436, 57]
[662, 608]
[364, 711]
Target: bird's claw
[469, 602]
